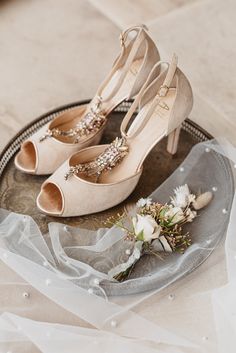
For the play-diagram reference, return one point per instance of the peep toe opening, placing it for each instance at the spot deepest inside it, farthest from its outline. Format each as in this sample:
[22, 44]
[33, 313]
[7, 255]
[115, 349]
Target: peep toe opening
[26, 159]
[50, 199]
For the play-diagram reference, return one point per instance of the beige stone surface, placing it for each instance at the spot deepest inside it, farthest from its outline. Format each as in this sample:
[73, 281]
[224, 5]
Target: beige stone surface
[127, 12]
[52, 53]
[204, 37]
[62, 54]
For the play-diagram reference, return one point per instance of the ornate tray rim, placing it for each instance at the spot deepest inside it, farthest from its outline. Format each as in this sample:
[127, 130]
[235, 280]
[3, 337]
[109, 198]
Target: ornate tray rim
[197, 132]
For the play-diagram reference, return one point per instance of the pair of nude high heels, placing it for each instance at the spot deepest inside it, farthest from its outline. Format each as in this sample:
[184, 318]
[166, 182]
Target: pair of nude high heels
[91, 179]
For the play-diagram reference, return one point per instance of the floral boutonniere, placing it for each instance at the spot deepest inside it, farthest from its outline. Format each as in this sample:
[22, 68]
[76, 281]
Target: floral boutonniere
[156, 227]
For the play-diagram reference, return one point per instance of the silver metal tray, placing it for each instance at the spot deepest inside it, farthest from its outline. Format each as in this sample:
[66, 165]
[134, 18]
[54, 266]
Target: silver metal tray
[18, 191]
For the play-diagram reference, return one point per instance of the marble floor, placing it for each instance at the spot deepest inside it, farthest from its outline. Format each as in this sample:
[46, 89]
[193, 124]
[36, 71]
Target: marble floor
[54, 52]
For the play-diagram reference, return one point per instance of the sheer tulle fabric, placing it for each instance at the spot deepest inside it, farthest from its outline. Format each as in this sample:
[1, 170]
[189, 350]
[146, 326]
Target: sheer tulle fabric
[70, 267]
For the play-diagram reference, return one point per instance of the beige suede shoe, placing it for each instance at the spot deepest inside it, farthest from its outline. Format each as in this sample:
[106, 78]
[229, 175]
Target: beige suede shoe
[71, 131]
[100, 177]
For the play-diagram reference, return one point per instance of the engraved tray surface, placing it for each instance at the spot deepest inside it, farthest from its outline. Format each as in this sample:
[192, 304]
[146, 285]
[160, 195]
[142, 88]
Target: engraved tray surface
[18, 190]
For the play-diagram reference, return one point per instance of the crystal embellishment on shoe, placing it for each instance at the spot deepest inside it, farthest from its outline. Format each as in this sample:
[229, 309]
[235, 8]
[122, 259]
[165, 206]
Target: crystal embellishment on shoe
[106, 161]
[91, 122]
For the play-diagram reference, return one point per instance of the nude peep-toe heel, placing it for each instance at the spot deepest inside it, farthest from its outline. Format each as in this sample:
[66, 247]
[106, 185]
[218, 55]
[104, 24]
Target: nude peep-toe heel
[83, 126]
[101, 177]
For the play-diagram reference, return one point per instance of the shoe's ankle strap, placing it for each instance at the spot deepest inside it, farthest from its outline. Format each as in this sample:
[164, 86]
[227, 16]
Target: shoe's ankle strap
[125, 33]
[127, 56]
[163, 89]
[169, 76]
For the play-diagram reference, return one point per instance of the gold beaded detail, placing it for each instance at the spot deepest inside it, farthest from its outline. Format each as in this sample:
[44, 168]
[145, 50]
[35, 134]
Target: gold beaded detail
[90, 123]
[106, 161]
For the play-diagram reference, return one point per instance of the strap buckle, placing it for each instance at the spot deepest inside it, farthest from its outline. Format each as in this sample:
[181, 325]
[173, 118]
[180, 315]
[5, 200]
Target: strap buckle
[122, 40]
[163, 90]
[124, 34]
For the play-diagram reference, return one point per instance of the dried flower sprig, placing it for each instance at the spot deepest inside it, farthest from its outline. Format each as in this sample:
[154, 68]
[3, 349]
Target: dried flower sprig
[157, 227]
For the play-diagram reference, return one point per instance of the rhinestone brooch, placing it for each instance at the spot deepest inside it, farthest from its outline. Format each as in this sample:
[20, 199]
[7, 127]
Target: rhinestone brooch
[90, 123]
[106, 161]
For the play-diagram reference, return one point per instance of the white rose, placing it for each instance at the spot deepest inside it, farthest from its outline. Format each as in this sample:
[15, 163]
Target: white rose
[147, 227]
[174, 214]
